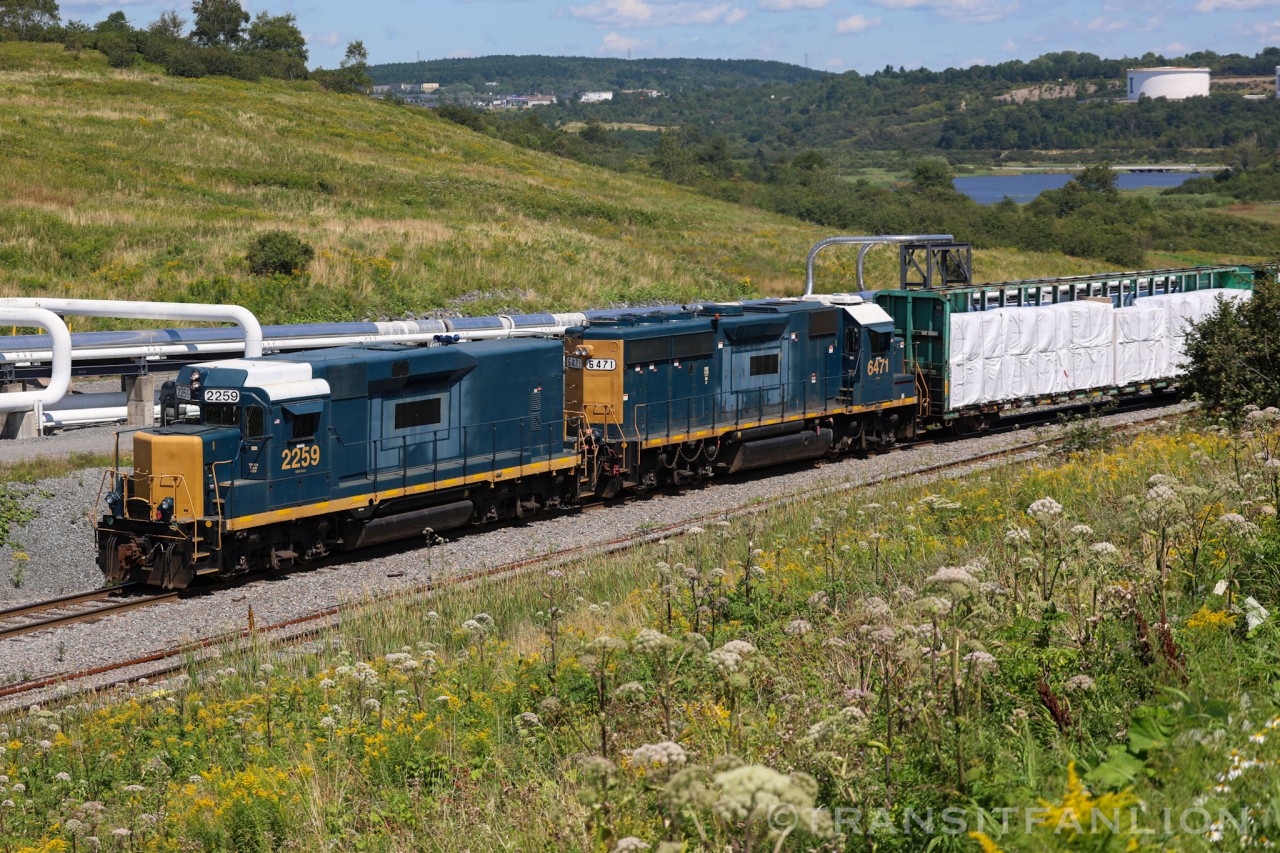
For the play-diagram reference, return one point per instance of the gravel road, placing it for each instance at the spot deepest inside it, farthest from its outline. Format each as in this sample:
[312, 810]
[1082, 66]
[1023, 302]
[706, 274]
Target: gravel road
[59, 546]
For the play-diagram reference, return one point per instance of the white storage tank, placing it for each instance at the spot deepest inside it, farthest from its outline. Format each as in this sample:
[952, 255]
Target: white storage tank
[1172, 83]
[1278, 81]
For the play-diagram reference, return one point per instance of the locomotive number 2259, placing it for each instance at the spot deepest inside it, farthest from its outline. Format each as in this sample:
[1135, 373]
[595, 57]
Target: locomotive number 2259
[301, 456]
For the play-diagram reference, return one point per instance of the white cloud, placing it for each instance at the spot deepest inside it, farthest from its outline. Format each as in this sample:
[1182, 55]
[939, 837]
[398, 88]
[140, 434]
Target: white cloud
[1176, 48]
[1233, 5]
[1266, 31]
[639, 13]
[959, 11]
[1102, 24]
[1105, 25]
[1010, 46]
[856, 24]
[460, 53]
[790, 5]
[614, 43]
[977, 60]
[328, 39]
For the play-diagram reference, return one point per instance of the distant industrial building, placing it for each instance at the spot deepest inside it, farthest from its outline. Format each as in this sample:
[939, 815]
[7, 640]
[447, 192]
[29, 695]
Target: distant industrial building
[1171, 83]
[1278, 81]
[596, 97]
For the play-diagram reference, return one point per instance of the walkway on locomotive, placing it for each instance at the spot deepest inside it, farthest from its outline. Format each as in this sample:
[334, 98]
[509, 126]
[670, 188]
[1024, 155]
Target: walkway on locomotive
[348, 427]
[665, 377]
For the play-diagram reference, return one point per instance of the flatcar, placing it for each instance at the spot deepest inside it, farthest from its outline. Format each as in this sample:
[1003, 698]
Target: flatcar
[290, 457]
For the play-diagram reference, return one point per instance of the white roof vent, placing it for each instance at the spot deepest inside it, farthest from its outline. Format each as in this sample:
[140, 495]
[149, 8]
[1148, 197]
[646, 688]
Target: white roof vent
[834, 298]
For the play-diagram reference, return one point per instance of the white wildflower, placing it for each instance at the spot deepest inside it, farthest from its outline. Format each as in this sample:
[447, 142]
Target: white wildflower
[1239, 524]
[1017, 536]
[1079, 683]
[952, 576]
[980, 661]
[651, 641]
[798, 627]
[666, 755]
[1044, 509]
[631, 691]
[739, 647]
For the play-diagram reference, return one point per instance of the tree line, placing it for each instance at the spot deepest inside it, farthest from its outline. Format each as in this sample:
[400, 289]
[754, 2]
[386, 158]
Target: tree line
[568, 76]
[851, 116]
[222, 40]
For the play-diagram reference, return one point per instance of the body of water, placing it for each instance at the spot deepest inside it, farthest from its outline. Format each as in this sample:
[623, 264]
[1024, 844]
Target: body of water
[989, 189]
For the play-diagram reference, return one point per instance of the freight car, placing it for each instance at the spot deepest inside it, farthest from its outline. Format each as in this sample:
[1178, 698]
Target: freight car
[290, 457]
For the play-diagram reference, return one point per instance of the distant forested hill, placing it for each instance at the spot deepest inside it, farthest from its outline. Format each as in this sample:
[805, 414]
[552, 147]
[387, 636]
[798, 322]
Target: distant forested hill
[1066, 102]
[569, 75]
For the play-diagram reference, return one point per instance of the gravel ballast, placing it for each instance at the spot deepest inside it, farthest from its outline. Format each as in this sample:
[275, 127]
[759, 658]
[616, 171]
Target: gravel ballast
[59, 544]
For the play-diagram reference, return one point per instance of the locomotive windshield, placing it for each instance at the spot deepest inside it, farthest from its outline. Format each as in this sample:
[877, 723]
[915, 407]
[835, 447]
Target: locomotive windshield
[220, 414]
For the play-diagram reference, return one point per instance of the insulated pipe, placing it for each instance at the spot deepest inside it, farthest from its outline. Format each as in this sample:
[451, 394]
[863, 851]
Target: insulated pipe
[60, 378]
[277, 338]
[152, 311]
[866, 242]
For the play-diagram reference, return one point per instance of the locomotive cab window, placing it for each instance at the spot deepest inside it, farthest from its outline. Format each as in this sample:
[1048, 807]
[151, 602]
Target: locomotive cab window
[254, 422]
[852, 340]
[302, 420]
[220, 414]
[880, 341]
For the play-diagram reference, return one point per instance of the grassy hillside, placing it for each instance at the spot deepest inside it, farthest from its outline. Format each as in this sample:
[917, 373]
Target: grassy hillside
[129, 184]
[132, 184]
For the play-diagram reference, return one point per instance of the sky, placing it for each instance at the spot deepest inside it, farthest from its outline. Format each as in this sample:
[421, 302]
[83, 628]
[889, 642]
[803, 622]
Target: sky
[829, 35]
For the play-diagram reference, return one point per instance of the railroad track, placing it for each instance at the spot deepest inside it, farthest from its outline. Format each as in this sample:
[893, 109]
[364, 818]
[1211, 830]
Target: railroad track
[78, 607]
[166, 661]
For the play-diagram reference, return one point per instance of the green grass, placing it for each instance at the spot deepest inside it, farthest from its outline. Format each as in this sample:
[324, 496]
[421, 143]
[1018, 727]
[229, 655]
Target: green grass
[43, 468]
[876, 684]
[130, 184]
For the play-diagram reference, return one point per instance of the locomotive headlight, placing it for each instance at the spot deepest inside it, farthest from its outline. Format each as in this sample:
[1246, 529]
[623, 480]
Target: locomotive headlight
[583, 351]
[115, 503]
[164, 512]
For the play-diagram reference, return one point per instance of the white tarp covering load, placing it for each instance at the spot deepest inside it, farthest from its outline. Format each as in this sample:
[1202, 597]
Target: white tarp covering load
[1014, 353]
[1151, 335]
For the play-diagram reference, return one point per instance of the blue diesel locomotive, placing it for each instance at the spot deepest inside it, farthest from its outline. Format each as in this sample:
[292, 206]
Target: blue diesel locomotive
[290, 457]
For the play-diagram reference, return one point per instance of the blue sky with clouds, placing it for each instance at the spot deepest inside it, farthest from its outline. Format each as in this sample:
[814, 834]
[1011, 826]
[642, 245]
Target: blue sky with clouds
[834, 35]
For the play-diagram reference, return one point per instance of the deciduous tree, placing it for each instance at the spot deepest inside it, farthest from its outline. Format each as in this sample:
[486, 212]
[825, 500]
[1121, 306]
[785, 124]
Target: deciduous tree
[169, 25]
[26, 18]
[1234, 353]
[277, 33]
[218, 22]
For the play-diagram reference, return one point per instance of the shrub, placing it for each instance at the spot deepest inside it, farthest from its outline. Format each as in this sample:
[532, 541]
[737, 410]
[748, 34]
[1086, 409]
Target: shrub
[278, 252]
